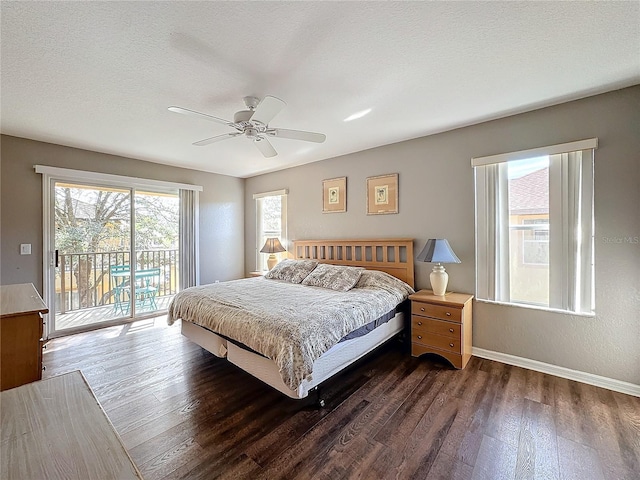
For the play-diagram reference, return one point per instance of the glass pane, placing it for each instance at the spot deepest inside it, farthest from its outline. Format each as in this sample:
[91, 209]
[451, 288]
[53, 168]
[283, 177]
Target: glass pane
[157, 241]
[92, 232]
[270, 211]
[529, 231]
[272, 214]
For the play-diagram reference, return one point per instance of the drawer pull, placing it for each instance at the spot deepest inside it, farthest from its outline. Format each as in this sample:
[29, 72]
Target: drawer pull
[422, 309]
[451, 330]
[448, 314]
[44, 367]
[419, 337]
[419, 323]
[451, 345]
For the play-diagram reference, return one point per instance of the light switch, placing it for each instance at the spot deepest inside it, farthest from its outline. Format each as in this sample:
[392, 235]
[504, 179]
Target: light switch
[25, 249]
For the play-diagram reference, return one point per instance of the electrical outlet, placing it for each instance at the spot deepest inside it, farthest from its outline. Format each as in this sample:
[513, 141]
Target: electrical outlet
[25, 249]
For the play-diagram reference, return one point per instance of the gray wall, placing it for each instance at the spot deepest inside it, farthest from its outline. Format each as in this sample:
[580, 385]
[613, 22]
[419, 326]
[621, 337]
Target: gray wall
[221, 207]
[437, 200]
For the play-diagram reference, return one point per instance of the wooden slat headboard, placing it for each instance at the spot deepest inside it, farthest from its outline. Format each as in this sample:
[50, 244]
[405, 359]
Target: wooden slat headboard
[393, 256]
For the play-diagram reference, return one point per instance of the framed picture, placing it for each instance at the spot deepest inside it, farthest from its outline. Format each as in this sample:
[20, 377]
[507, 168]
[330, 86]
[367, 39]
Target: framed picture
[382, 194]
[334, 195]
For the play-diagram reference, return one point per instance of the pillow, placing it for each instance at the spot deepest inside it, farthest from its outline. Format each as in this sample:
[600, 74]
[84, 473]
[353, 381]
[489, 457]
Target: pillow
[293, 271]
[335, 277]
[382, 280]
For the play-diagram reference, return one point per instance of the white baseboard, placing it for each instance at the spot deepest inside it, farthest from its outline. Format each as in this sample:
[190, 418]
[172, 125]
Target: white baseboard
[591, 379]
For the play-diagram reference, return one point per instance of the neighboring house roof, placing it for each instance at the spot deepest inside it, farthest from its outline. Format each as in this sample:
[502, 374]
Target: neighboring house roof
[529, 194]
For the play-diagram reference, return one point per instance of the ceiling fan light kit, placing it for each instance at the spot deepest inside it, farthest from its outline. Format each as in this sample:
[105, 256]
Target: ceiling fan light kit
[254, 125]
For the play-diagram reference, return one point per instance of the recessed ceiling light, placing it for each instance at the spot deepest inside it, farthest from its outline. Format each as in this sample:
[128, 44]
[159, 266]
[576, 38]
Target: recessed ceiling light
[357, 115]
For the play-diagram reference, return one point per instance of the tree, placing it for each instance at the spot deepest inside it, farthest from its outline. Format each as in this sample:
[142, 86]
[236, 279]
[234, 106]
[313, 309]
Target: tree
[156, 221]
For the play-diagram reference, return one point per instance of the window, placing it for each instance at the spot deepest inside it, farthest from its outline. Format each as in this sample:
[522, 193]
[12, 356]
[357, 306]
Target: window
[271, 216]
[535, 227]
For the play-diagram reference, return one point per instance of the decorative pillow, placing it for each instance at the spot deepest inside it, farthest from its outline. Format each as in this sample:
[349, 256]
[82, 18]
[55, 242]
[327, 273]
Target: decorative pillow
[293, 271]
[335, 277]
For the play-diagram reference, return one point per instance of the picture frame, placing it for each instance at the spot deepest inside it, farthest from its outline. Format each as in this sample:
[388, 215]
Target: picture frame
[382, 194]
[334, 195]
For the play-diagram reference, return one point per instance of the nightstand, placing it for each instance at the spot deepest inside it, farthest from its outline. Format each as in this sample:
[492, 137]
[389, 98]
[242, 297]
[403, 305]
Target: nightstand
[442, 325]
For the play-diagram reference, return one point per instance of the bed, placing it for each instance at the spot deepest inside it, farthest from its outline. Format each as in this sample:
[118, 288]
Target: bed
[229, 319]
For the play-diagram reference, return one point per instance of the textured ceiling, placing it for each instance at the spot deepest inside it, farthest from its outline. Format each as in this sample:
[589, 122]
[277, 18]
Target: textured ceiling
[100, 75]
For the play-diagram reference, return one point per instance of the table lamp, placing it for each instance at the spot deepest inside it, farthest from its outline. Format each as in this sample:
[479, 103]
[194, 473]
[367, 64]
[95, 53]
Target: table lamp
[438, 251]
[272, 246]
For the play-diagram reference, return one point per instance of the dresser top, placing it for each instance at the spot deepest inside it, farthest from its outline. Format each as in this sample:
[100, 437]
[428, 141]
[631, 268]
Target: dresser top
[60, 414]
[457, 299]
[20, 299]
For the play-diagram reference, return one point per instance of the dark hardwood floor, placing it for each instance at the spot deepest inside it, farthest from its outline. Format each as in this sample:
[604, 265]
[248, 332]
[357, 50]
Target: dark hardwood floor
[183, 413]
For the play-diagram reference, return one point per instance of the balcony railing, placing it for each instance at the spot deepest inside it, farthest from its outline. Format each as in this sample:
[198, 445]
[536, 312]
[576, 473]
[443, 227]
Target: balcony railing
[83, 279]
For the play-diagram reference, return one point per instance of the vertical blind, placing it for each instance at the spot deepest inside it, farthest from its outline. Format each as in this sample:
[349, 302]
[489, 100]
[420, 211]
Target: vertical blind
[571, 225]
[189, 265]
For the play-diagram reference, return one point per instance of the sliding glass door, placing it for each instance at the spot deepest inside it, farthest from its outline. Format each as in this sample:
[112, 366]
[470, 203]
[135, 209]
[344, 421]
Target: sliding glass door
[115, 254]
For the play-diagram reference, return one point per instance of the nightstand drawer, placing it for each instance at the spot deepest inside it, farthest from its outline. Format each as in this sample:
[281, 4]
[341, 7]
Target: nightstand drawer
[427, 326]
[436, 311]
[437, 341]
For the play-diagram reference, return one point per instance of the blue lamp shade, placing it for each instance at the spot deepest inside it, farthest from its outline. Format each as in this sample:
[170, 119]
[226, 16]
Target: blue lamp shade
[438, 250]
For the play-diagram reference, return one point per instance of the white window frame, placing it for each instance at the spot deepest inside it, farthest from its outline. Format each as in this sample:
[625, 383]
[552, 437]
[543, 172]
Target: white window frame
[261, 258]
[571, 282]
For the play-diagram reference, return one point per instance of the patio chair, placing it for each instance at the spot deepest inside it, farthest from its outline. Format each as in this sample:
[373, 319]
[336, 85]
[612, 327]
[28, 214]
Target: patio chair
[146, 289]
[119, 275]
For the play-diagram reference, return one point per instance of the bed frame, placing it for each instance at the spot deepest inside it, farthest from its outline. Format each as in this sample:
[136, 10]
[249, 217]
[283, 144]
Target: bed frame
[393, 256]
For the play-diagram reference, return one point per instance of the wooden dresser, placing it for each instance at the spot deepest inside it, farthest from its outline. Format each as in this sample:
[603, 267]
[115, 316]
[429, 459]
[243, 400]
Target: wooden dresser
[21, 328]
[442, 325]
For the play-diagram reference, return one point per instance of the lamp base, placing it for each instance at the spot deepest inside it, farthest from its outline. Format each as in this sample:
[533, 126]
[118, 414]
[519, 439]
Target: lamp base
[439, 279]
[271, 261]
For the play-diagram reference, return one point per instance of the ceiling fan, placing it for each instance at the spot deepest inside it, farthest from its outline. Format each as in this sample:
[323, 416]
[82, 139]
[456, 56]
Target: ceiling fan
[253, 123]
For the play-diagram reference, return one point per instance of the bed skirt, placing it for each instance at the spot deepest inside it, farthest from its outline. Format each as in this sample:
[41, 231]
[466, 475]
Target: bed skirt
[331, 362]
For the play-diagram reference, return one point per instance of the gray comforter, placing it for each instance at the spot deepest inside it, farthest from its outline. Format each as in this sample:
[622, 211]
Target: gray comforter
[291, 324]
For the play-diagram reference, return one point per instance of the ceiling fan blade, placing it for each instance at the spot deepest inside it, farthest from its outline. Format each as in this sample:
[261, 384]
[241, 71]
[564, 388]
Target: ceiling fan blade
[265, 147]
[297, 135]
[193, 113]
[217, 138]
[268, 108]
